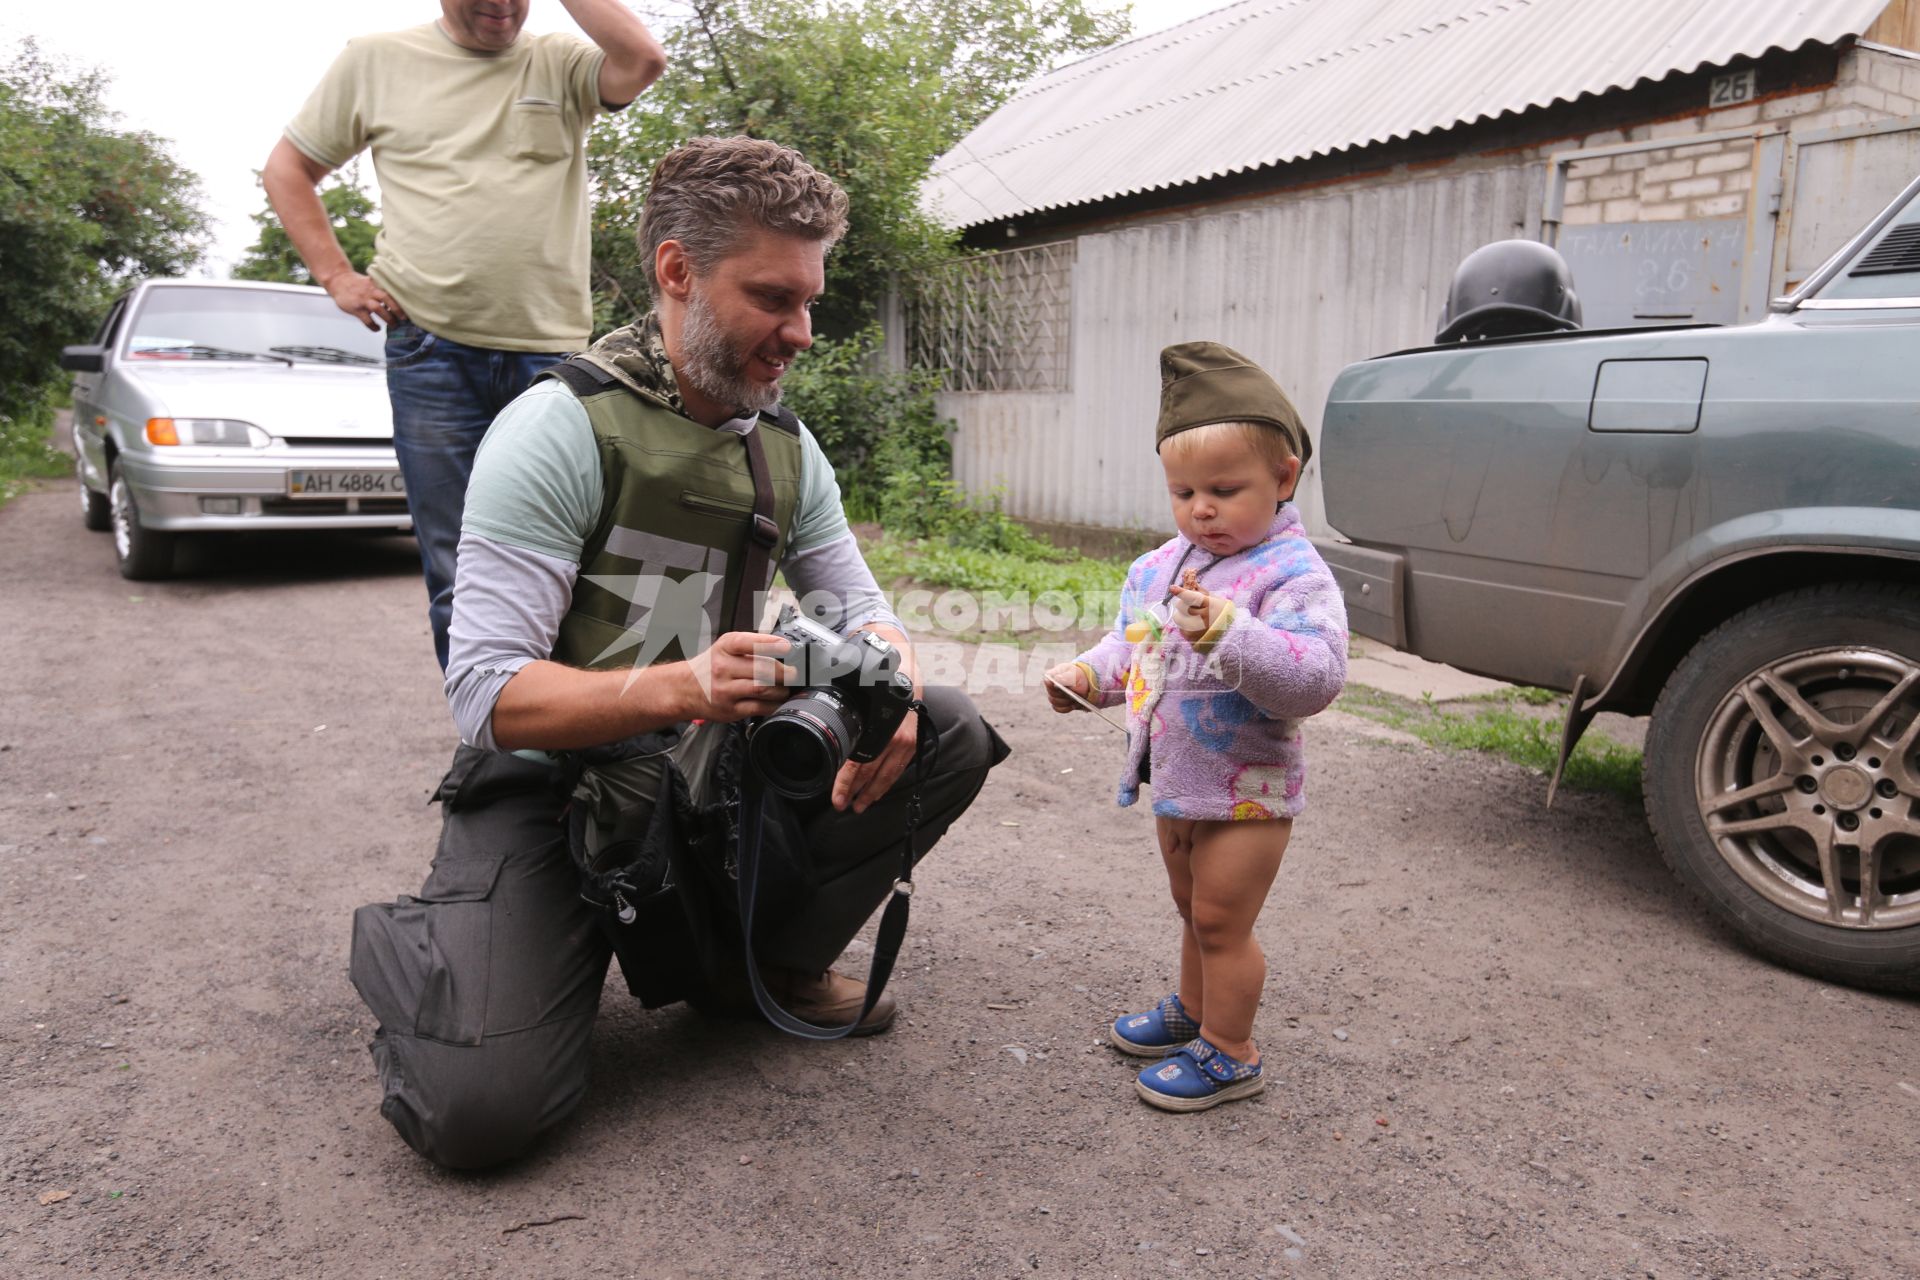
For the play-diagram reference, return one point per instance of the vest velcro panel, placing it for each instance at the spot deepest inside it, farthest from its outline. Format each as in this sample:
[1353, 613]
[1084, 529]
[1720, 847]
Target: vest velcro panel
[660, 572]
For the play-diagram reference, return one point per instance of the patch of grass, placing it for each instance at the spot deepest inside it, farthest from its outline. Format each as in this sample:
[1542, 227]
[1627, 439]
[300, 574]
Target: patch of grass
[1495, 725]
[26, 449]
[933, 563]
[1520, 694]
[29, 461]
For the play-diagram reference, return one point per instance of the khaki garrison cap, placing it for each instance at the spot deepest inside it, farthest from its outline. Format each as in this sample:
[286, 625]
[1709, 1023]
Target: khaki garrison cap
[1204, 382]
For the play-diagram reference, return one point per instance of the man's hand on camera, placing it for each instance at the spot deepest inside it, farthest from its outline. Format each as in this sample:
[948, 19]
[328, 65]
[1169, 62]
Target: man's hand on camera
[739, 676]
[859, 785]
[365, 301]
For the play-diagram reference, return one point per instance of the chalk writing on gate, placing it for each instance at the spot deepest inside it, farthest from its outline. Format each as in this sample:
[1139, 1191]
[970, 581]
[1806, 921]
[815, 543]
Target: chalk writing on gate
[1634, 271]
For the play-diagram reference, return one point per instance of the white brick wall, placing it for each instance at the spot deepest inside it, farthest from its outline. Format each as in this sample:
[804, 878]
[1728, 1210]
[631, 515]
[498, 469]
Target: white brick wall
[1733, 117]
[1715, 179]
[1725, 162]
[1611, 185]
[1694, 187]
[1674, 128]
[1887, 73]
[1799, 104]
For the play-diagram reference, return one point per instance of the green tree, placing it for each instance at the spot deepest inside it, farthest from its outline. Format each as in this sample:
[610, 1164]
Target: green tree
[870, 92]
[85, 209]
[349, 208]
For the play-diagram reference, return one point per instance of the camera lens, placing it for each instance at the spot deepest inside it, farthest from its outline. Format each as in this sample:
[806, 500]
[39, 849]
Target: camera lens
[799, 748]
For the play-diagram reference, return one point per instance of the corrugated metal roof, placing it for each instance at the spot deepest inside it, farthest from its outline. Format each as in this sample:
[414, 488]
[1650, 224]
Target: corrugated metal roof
[1268, 81]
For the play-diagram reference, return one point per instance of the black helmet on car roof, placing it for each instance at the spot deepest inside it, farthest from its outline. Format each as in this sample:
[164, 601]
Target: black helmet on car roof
[1507, 288]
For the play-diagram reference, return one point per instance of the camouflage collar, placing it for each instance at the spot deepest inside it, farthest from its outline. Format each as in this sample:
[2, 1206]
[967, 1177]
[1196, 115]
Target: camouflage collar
[636, 354]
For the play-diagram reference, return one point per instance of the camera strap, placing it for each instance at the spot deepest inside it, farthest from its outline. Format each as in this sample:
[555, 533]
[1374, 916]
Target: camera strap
[763, 533]
[893, 921]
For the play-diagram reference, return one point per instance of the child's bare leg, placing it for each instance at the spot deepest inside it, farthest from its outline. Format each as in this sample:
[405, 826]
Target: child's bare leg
[1176, 848]
[1232, 865]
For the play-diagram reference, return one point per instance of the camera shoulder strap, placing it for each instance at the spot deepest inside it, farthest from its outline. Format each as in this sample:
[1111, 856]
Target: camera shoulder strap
[757, 572]
[893, 922]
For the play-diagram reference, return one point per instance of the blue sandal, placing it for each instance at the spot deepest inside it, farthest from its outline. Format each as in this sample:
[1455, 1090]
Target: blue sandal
[1153, 1034]
[1198, 1076]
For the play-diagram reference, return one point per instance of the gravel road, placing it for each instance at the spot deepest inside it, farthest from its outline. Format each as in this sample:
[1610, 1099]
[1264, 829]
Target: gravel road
[1500, 1042]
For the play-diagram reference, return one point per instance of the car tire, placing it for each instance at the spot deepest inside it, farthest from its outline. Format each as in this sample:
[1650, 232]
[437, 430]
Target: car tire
[96, 512]
[144, 554]
[1780, 758]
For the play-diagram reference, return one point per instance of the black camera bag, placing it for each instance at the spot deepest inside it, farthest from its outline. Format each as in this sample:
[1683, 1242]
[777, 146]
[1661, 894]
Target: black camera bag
[665, 887]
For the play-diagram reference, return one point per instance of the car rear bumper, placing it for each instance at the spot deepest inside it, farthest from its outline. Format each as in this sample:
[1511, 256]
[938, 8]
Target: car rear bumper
[173, 490]
[1374, 585]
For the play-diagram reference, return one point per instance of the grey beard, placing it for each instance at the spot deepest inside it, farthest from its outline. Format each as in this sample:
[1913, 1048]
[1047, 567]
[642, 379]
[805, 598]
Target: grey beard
[710, 363]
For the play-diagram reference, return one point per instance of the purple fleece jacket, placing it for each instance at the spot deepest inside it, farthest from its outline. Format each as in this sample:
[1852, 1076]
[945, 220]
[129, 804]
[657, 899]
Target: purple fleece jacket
[1216, 718]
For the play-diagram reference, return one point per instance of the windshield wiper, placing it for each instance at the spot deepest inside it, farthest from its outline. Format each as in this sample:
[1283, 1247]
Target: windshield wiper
[327, 355]
[199, 351]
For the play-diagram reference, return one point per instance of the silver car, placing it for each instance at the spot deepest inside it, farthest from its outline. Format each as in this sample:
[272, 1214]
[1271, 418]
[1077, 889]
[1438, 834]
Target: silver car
[227, 406]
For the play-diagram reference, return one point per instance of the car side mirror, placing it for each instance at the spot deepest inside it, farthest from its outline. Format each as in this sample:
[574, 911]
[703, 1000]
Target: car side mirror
[83, 359]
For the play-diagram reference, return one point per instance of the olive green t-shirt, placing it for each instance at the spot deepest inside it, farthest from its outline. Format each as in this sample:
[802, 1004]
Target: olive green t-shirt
[483, 178]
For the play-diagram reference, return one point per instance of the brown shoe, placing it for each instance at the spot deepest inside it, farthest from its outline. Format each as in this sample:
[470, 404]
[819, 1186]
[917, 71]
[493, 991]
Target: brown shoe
[829, 999]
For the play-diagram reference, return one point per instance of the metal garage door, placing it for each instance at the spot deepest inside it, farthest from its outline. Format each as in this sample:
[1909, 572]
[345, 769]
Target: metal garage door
[1835, 180]
[1812, 190]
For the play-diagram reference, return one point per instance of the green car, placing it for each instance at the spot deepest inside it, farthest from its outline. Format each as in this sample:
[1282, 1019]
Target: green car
[1717, 526]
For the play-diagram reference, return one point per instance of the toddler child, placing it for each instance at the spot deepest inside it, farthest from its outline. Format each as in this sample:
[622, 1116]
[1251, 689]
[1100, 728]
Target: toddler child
[1229, 634]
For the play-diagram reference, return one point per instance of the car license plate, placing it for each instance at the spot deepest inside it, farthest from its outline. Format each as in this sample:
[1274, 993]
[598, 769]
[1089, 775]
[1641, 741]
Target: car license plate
[345, 484]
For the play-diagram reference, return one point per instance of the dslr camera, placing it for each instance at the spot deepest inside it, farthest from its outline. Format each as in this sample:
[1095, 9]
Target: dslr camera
[852, 697]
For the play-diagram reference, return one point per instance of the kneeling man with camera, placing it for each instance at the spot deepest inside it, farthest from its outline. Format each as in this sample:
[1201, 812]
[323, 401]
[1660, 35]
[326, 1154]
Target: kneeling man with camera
[645, 773]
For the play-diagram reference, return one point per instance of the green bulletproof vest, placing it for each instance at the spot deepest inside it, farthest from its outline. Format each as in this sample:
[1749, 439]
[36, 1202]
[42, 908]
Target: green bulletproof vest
[661, 571]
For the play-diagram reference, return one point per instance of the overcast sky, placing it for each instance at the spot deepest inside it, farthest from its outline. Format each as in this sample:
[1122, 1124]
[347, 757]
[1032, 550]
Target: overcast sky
[220, 78]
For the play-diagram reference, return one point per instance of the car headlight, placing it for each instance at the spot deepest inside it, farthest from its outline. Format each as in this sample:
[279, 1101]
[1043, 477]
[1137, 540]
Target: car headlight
[222, 432]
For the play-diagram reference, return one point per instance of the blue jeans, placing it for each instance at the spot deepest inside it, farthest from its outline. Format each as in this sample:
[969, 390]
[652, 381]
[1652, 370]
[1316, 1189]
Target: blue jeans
[445, 395]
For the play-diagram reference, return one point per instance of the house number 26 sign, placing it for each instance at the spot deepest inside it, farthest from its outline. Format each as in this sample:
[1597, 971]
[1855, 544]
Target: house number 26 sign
[1733, 89]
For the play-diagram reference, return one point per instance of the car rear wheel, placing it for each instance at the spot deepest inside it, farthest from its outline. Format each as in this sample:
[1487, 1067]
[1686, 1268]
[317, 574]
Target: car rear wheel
[1783, 785]
[144, 554]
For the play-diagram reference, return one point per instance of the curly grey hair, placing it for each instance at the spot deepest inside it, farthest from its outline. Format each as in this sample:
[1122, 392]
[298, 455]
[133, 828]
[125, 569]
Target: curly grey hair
[711, 192]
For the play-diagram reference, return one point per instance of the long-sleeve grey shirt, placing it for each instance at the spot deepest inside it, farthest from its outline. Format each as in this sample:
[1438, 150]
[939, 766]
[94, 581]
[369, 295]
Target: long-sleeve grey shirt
[531, 505]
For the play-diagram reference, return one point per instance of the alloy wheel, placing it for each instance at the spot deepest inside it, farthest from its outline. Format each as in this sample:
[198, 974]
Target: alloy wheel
[123, 516]
[1807, 784]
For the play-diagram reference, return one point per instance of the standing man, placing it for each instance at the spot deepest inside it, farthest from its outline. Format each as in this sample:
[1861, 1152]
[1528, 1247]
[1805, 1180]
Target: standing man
[480, 269]
[612, 520]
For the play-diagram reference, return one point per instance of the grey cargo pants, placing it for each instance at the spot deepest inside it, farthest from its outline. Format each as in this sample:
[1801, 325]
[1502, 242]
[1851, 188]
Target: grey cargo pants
[486, 983]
